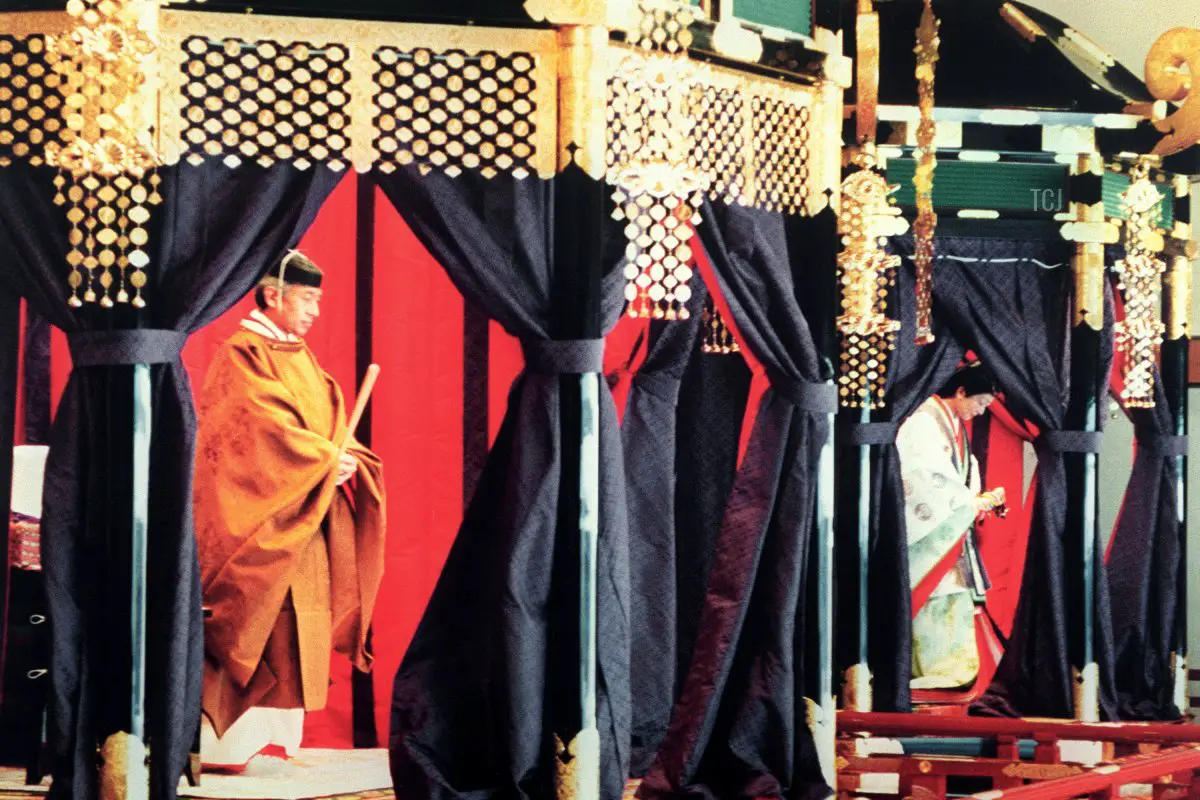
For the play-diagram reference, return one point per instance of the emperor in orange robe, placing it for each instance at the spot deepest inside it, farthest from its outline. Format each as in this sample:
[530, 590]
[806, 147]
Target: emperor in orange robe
[291, 552]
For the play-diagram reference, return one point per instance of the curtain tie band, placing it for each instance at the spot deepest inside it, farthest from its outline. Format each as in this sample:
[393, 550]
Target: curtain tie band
[563, 357]
[1070, 441]
[810, 396]
[1165, 445]
[124, 347]
[870, 434]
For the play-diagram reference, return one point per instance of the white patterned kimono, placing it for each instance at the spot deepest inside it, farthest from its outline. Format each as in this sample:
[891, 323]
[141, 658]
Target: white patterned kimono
[941, 481]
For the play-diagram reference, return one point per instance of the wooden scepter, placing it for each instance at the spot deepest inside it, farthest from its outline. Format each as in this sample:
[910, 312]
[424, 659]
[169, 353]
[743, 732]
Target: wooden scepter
[360, 405]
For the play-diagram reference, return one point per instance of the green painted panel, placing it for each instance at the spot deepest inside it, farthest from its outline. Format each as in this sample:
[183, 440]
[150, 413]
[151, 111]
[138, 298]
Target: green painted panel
[789, 15]
[994, 186]
[1114, 183]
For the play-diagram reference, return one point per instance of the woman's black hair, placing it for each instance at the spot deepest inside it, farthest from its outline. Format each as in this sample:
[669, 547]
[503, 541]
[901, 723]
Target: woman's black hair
[972, 378]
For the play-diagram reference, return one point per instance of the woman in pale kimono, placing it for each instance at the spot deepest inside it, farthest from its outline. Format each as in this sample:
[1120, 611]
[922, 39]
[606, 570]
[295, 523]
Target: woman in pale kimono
[943, 502]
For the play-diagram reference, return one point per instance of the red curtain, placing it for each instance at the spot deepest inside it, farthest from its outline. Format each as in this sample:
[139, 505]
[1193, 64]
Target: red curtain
[1002, 542]
[417, 430]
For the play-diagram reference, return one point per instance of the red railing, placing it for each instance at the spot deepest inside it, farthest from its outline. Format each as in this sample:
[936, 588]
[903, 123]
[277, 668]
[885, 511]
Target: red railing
[885, 724]
[1178, 765]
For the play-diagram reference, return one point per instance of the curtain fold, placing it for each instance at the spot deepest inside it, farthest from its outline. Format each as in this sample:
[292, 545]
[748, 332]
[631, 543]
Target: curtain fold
[648, 433]
[1008, 303]
[712, 405]
[476, 707]
[739, 728]
[1144, 560]
[914, 374]
[215, 233]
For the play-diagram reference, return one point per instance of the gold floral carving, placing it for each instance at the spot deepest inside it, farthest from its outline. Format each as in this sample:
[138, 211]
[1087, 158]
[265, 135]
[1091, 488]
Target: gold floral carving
[866, 273]
[104, 150]
[1172, 67]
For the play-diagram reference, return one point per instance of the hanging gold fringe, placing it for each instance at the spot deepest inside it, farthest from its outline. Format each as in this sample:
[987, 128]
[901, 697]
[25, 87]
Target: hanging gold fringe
[716, 338]
[926, 222]
[104, 153]
[1139, 336]
[658, 192]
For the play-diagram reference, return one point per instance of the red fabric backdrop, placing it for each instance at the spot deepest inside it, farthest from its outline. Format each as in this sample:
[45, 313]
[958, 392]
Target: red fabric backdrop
[417, 415]
[1002, 542]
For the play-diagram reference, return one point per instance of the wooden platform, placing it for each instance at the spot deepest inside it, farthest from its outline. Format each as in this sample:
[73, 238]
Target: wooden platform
[312, 775]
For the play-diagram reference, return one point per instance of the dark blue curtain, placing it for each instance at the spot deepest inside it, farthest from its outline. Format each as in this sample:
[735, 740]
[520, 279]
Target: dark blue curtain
[648, 433]
[483, 690]
[1144, 564]
[739, 727]
[216, 232]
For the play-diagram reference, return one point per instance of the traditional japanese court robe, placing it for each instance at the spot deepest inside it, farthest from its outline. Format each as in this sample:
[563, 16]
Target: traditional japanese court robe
[941, 481]
[290, 562]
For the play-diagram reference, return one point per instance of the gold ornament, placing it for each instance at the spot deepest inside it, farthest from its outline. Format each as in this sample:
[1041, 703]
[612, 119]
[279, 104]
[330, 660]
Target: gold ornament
[926, 222]
[340, 93]
[575, 763]
[658, 191]
[1139, 336]
[866, 101]
[866, 274]
[104, 151]
[857, 694]
[121, 756]
[1041, 772]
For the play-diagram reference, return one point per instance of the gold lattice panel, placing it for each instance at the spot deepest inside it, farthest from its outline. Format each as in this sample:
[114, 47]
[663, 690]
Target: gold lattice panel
[722, 153]
[781, 153]
[452, 109]
[265, 100]
[341, 93]
[30, 103]
[753, 141]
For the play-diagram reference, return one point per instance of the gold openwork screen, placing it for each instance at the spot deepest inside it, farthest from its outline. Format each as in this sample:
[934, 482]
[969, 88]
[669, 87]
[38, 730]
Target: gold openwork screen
[455, 109]
[342, 94]
[722, 152]
[264, 100]
[781, 130]
[680, 133]
[30, 103]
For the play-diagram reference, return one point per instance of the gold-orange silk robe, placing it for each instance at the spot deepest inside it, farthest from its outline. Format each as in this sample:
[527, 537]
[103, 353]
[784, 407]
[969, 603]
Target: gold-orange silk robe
[290, 562]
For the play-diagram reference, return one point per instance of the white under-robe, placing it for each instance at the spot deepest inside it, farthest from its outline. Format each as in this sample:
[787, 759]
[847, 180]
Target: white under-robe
[941, 481]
